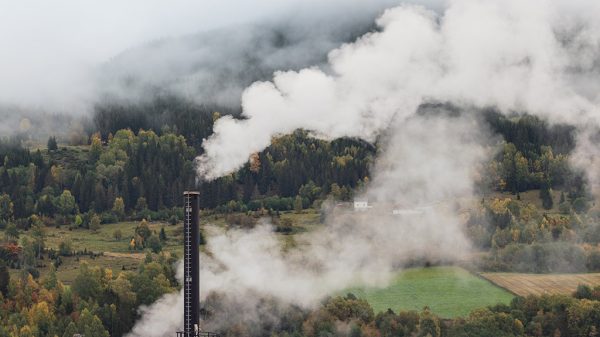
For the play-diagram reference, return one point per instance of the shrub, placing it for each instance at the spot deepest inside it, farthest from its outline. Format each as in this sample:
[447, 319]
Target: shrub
[583, 291]
[538, 258]
[95, 223]
[254, 205]
[241, 220]
[580, 205]
[593, 261]
[33, 272]
[154, 243]
[285, 226]
[564, 208]
[278, 204]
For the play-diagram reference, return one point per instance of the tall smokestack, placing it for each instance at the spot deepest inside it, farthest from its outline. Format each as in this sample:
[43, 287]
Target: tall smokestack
[191, 258]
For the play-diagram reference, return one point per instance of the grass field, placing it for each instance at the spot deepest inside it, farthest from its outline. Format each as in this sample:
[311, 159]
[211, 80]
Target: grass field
[538, 284]
[116, 254]
[447, 291]
[69, 269]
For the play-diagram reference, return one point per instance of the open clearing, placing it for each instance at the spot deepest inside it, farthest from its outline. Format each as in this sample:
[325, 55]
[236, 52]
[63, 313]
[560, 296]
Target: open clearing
[115, 252]
[538, 284]
[447, 291]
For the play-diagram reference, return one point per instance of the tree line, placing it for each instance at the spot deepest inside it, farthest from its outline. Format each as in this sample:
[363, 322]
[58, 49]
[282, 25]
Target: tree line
[100, 304]
[547, 315]
[143, 175]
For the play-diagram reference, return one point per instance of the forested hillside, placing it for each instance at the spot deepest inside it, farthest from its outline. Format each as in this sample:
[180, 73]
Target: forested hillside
[535, 215]
[147, 170]
[146, 173]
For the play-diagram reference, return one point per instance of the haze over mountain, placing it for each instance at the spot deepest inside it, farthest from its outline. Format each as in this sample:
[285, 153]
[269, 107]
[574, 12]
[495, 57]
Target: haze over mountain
[62, 57]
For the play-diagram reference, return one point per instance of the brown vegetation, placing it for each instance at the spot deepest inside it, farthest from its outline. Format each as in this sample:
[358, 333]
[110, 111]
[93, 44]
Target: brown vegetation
[539, 284]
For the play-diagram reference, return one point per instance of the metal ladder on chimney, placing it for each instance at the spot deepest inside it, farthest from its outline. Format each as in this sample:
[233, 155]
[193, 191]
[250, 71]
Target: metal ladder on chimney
[189, 327]
[187, 284]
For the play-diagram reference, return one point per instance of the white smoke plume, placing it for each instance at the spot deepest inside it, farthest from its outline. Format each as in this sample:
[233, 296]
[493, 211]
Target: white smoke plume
[519, 56]
[514, 55]
[352, 248]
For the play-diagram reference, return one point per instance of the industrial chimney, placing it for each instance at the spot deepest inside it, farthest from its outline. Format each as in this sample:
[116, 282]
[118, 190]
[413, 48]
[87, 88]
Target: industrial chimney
[191, 268]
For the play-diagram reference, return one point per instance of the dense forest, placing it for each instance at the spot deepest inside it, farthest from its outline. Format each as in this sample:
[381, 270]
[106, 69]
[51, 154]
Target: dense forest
[147, 173]
[149, 169]
[100, 304]
[97, 304]
[164, 114]
[135, 166]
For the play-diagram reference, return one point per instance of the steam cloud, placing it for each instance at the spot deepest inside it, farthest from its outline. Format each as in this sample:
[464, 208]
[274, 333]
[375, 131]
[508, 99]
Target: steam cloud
[540, 57]
[534, 57]
[352, 249]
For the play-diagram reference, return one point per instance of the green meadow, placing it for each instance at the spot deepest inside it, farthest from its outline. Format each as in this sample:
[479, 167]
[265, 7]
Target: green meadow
[448, 291]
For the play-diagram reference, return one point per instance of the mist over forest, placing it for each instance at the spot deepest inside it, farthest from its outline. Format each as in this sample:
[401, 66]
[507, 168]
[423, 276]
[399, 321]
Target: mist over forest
[340, 150]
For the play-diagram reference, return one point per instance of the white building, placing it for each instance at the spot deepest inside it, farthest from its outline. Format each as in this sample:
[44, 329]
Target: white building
[361, 205]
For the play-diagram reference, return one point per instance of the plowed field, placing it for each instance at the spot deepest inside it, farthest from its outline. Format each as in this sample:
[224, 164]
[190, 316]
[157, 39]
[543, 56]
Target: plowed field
[538, 284]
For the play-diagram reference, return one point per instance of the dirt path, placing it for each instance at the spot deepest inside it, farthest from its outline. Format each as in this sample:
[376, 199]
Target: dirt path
[538, 284]
[136, 256]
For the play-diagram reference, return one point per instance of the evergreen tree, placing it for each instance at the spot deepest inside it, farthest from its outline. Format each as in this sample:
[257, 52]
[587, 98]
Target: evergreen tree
[546, 197]
[4, 278]
[154, 243]
[6, 209]
[71, 330]
[11, 233]
[52, 145]
[38, 234]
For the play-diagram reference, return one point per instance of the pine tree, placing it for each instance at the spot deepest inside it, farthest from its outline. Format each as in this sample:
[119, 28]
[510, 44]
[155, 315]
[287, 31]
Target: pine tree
[546, 197]
[71, 330]
[52, 144]
[4, 278]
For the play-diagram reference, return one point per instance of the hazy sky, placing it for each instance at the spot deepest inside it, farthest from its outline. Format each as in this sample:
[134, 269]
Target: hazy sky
[49, 48]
